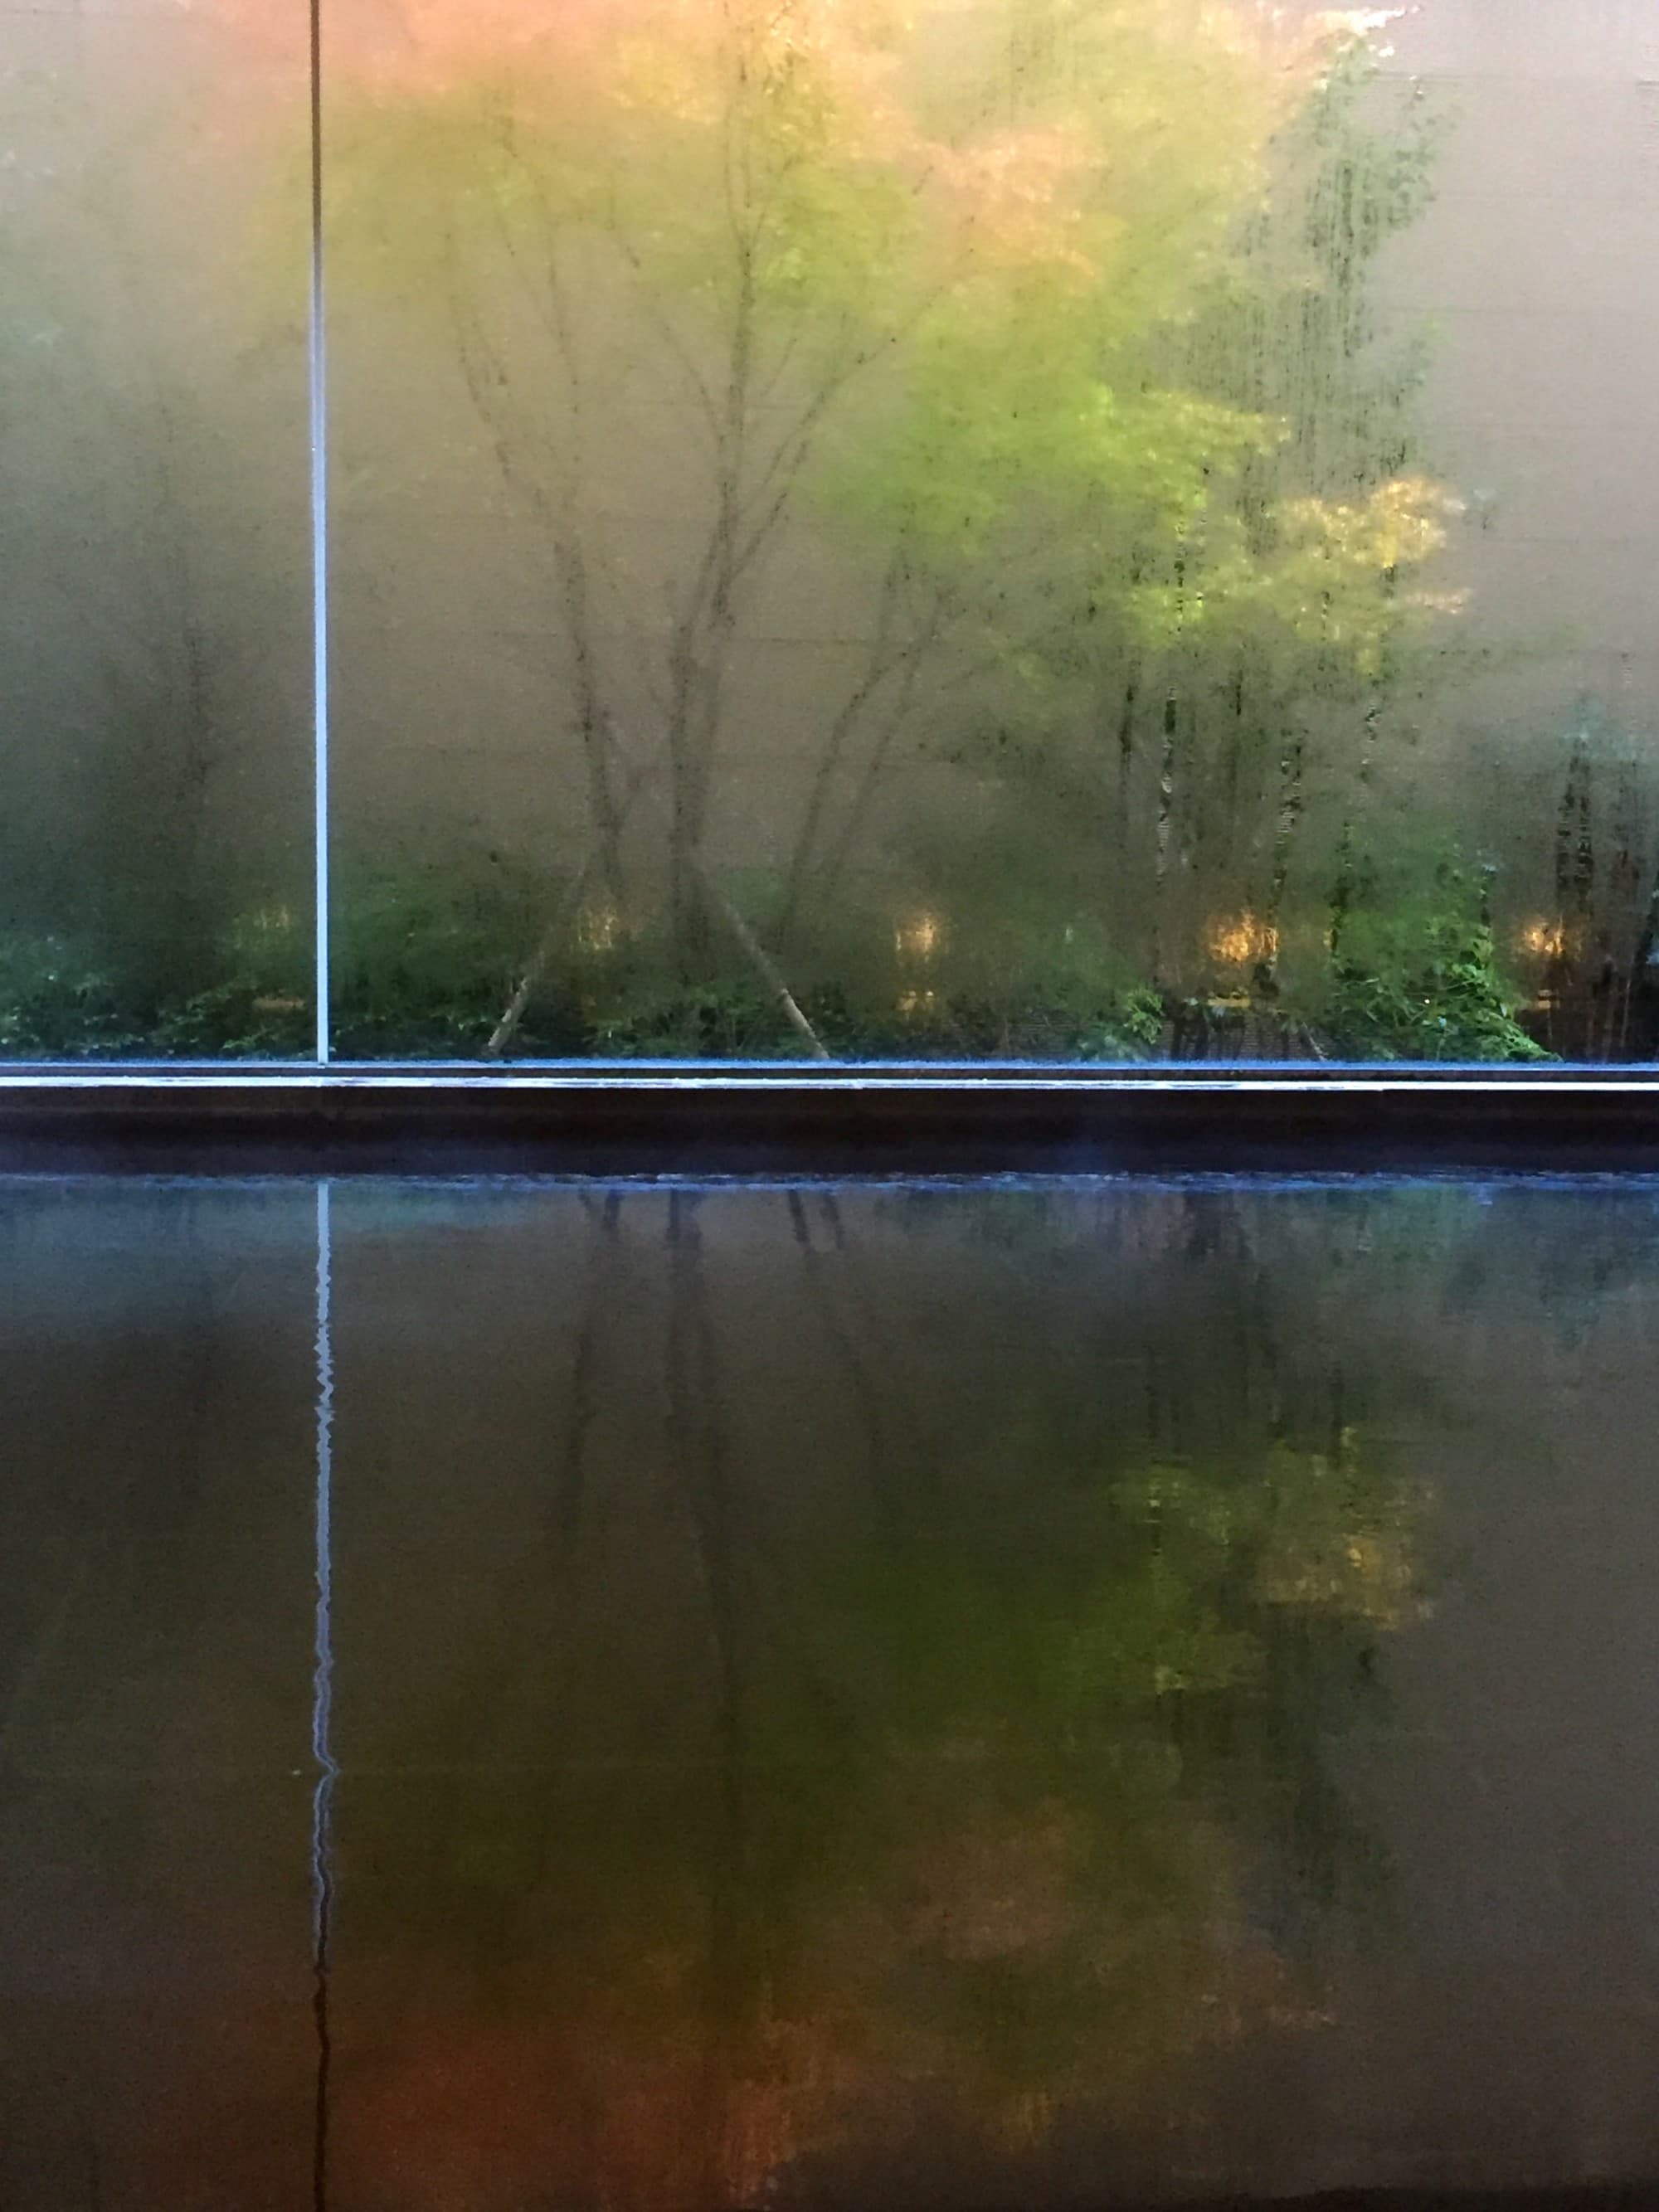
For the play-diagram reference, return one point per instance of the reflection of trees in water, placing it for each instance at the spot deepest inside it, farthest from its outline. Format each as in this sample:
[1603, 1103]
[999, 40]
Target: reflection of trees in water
[994, 1781]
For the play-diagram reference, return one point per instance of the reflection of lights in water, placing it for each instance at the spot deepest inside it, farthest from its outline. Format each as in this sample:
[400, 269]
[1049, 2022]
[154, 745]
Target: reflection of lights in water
[917, 1005]
[1243, 938]
[1544, 940]
[919, 936]
[598, 928]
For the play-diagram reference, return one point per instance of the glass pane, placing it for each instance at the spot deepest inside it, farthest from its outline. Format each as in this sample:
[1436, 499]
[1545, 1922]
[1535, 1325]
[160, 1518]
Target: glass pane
[154, 631]
[1082, 529]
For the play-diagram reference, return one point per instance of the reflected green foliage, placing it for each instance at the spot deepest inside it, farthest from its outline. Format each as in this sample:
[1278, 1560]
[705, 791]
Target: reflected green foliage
[990, 1778]
[842, 1694]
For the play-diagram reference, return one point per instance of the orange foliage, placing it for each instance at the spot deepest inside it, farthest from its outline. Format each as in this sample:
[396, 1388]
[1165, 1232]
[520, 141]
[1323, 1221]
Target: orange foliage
[1022, 188]
[424, 46]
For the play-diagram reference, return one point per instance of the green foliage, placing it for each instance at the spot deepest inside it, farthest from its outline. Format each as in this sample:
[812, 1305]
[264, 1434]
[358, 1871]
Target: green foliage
[427, 948]
[1289, 328]
[429, 954]
[942, 288]
[647, 1013]
[1063, 324]
[1422, 985]
[1034, 1017]
[60, 1000]
[238, 1019]
[260, 1008]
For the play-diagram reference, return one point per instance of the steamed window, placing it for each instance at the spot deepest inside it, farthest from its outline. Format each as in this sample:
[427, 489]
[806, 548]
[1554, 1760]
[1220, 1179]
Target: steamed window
[156, 624]
[1083, 530]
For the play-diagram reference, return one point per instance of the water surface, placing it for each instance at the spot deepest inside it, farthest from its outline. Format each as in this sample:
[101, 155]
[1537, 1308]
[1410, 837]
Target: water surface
[517, 1695]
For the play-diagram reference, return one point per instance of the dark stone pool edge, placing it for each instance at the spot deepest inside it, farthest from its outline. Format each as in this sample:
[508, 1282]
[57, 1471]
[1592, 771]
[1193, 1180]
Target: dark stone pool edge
[1600, 2196]
[654, 1120]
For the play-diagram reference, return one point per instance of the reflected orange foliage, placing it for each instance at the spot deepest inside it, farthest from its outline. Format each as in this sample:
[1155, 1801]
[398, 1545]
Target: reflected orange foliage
[566, 2099]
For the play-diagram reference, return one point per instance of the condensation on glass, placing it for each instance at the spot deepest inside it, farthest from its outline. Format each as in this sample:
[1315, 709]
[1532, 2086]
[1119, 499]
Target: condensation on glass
[155, 626]
[1085, 530]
